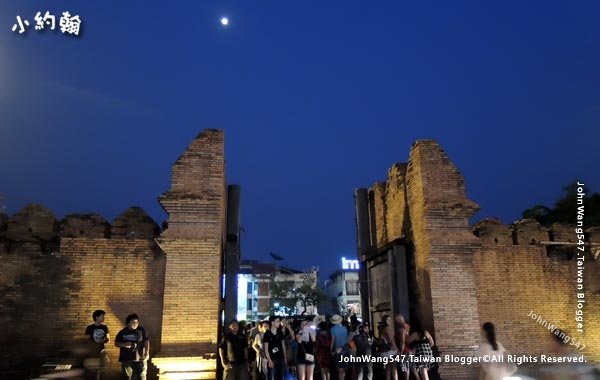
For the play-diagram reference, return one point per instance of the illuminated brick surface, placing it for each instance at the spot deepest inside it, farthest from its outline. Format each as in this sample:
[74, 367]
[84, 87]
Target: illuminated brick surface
[56, 273]
[463, 280]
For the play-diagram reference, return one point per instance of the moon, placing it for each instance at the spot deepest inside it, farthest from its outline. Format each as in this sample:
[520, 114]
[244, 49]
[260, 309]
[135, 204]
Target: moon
[224, 21]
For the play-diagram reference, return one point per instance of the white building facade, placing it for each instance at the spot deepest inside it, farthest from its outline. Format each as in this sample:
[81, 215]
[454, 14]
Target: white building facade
[343, 289]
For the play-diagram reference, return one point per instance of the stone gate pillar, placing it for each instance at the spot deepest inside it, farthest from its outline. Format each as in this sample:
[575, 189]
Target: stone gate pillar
[444, 247]
[193, 245]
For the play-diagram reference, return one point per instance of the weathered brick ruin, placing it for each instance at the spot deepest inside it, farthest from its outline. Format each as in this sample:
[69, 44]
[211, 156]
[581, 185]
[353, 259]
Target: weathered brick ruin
[460, 275]
[453, 275]
[55, 273]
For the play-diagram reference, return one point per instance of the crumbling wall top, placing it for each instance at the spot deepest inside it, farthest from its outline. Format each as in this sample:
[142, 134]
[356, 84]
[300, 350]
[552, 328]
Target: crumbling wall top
[32, 223]
[84, 225]
[135, 223]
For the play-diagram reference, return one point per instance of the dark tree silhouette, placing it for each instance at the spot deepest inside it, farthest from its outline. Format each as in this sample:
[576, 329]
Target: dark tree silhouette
[565, 209]
[287, 294]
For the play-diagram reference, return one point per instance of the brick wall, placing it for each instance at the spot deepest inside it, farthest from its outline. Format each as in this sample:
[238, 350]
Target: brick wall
[514, 280]
[444, 248]
[193, 243]
[395, 200]
[49, 289]
[121, 276]
[55, 273]
[465, 275]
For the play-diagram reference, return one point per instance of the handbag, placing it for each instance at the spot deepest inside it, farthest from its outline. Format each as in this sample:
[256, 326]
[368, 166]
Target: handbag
[307, 357]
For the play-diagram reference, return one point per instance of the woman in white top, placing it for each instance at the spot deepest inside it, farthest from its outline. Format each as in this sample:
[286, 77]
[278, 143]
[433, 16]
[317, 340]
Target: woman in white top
[306, 337]
[497, 367]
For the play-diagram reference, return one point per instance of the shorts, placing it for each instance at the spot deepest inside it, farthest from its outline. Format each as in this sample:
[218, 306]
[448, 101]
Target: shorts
[338, 361]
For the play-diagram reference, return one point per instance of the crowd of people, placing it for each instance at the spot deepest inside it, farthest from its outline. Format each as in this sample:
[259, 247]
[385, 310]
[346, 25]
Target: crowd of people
[321, 348]
[282, 349]
[270, 349]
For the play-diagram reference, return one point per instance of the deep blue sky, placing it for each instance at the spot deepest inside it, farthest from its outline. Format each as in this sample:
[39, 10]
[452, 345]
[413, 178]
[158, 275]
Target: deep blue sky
[316, 98]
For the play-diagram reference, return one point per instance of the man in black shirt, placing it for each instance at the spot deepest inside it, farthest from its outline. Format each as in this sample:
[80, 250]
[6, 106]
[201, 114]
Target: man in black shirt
[363, 341]
[135, 349]
[275, 351]
[98, 333]
[234, 354]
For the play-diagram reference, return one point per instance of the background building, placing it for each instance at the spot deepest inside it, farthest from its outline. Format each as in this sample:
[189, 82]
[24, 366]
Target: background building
[254, 281]
[343, 290]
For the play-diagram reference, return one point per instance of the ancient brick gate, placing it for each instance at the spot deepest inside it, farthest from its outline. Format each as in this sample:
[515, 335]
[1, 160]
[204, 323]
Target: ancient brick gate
[54, 273]
[421, 257]
[193, 244]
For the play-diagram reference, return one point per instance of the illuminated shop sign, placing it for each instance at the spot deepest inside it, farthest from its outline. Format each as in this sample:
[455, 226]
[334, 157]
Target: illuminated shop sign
[349, 264]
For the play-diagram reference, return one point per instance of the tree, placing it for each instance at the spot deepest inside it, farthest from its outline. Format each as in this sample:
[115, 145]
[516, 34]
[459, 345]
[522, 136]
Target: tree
[565, 209]
[281, 297]
[287, 294]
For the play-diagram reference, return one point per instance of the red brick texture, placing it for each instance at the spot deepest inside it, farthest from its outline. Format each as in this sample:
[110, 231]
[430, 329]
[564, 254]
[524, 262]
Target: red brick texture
[55, 274]
[193, 243]
[49, 295]
[467, 275]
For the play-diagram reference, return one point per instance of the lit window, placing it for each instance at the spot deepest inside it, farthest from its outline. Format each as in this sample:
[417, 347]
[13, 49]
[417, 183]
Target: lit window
[352, 288]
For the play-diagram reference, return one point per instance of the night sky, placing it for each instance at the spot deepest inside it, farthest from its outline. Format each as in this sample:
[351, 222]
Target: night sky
[316, 99]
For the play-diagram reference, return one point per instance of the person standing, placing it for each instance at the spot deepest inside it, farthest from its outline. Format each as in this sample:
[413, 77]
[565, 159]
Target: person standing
[275, 350]
[291, 346]
[305, 337]
[251, 334]
[500, 367]
[422, 342]
[134, 349]
[98, 333]
[339, 340]
[323, 348]
[389, 348]
[234, 354]
[261, 359]
[401, 333]
[363, 342]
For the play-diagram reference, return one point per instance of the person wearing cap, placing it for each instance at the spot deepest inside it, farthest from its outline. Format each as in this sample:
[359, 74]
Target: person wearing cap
[339, 339]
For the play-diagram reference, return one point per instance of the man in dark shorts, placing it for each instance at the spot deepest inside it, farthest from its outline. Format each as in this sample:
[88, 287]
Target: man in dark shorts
[98, 333]
[233, 351]
[134, 349]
